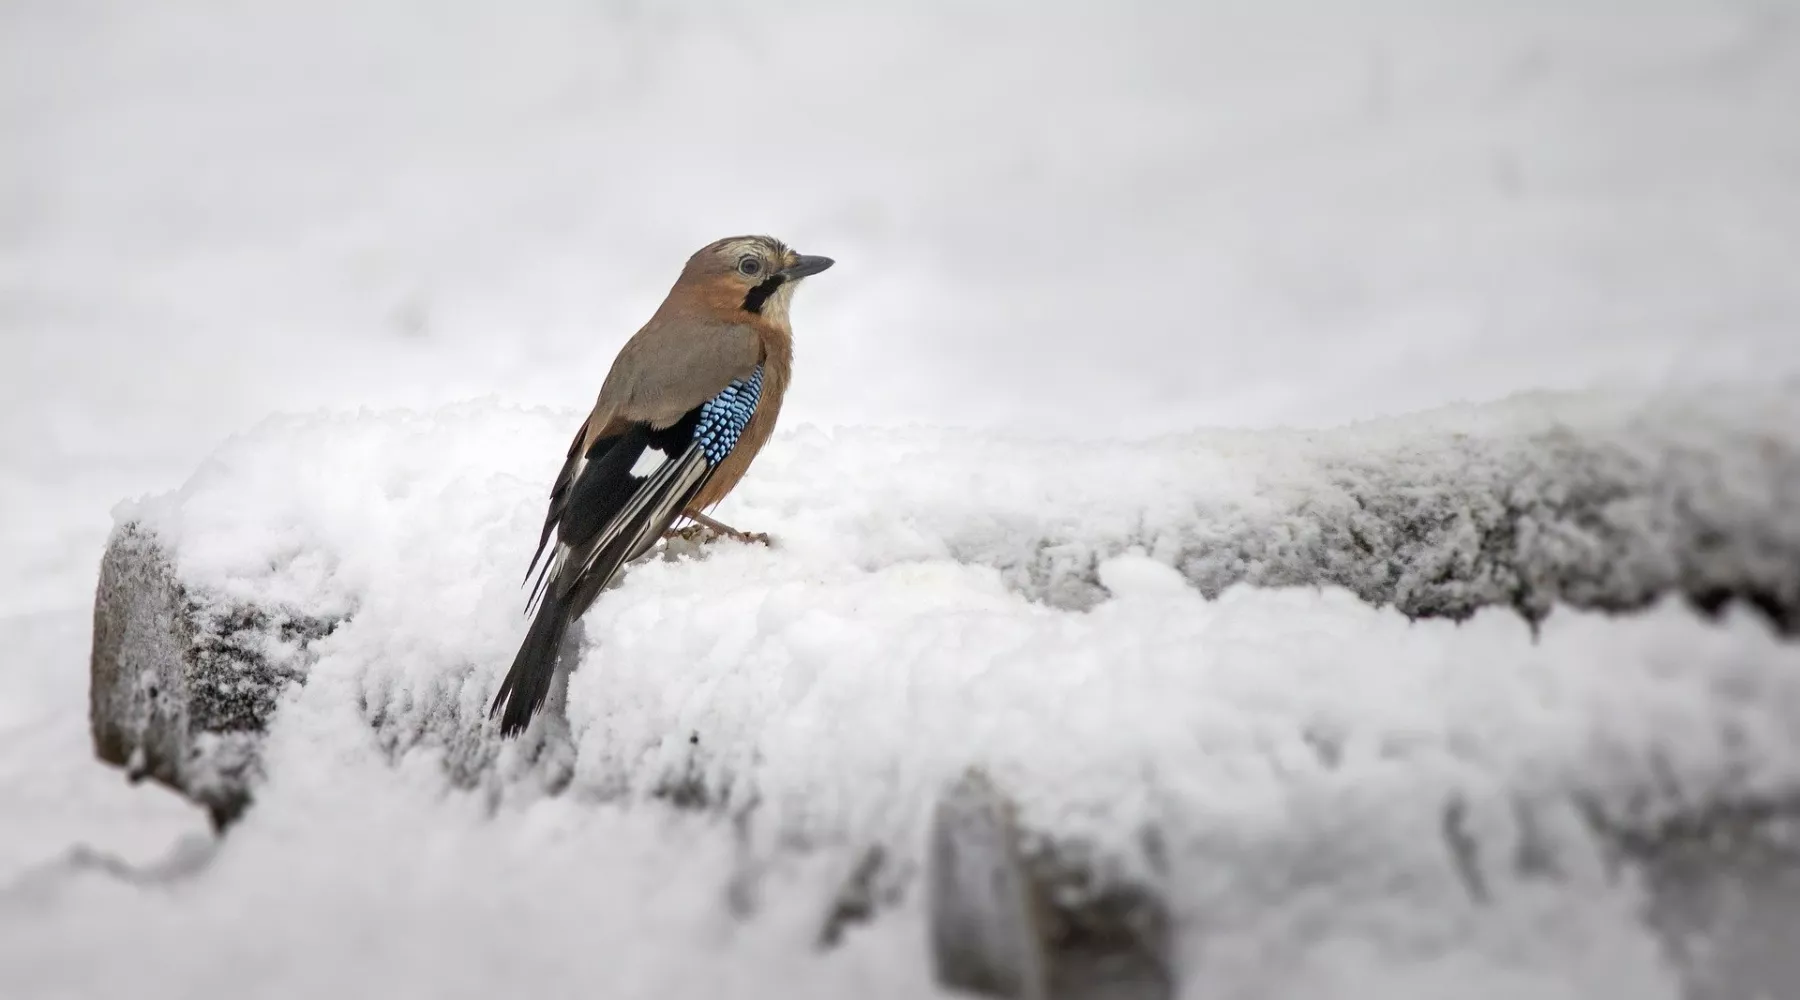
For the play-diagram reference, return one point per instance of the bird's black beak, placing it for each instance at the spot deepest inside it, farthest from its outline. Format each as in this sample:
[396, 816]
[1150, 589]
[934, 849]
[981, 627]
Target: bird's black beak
[805, 265]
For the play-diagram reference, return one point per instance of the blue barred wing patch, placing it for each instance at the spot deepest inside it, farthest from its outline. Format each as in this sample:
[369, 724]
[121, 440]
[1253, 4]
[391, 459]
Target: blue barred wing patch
[724, 417]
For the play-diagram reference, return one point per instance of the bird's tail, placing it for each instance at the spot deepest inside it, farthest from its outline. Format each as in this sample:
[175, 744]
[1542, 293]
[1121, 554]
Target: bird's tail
[527, 684]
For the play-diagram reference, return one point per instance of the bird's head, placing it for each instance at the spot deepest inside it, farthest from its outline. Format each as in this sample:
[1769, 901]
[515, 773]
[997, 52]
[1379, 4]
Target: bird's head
[752, 274]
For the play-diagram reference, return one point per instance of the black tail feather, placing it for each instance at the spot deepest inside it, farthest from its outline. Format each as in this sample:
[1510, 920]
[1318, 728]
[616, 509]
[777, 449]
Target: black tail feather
[527, 684]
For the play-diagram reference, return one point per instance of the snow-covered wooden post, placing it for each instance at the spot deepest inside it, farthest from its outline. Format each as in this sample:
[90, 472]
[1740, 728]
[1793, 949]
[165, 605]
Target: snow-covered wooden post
[182, 686]
[987, 931]
[997, 925]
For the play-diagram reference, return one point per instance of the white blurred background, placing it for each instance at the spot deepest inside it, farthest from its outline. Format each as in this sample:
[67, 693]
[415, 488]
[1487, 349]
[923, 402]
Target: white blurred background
[1105, 220]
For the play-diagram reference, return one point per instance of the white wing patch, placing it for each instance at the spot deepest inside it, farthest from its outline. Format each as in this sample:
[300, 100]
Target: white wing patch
[647, 463]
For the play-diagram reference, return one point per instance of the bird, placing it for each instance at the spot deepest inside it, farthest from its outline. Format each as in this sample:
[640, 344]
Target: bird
[697, 390]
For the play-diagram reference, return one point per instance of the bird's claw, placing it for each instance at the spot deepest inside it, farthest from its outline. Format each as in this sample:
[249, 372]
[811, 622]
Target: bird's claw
[718, 528]
[700, 534]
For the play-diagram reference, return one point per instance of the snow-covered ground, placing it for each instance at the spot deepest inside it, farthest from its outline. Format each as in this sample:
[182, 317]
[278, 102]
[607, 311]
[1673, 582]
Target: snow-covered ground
[1295, 751]
[1048, 224]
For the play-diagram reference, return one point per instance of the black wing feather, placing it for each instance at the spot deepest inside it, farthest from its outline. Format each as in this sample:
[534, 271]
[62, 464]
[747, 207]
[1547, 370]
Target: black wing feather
[595, 496]
[559, 493]
[603, 487]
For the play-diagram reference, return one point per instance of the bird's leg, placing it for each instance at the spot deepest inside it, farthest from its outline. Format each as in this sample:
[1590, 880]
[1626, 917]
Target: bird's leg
[721, 528]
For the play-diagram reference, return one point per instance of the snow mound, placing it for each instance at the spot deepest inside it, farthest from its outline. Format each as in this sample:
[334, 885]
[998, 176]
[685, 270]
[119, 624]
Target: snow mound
[1590, 501]
[1071, 619]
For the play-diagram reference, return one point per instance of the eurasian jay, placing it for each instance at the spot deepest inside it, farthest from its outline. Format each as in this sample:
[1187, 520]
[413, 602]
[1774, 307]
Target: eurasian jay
[701, 383]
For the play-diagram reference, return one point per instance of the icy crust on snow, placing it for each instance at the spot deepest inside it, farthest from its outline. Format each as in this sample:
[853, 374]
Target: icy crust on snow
[915, 619]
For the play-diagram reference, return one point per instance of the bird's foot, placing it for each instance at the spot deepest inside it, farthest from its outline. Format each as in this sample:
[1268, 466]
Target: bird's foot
[751, 537]
[696, 532]
[700, 534]
[691, 539]
[692, 534]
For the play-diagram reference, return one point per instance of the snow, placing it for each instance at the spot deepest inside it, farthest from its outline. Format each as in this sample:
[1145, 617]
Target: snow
[1058, 235]
[370, 883]
[824, 691]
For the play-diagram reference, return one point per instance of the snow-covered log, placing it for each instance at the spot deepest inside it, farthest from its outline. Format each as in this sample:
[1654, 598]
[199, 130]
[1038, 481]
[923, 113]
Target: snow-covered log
[1394, 721]
[183, 687]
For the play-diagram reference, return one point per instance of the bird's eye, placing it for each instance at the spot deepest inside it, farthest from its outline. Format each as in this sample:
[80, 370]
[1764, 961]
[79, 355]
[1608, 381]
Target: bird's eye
[749, 267]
